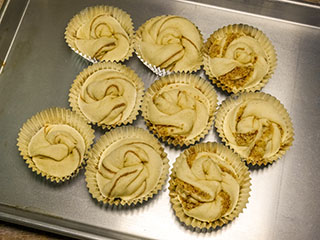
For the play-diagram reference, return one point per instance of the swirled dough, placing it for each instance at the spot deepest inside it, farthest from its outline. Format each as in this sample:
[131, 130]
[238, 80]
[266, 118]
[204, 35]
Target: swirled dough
[102, 37]
[107, 97]
[129, 169]
[255, 129]
[57, 150]
[207, 186]
[172, 43]
[179, 111]
[238, 60]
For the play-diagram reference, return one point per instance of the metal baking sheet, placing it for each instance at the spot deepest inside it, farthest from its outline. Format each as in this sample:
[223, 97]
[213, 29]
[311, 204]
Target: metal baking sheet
[39, 68]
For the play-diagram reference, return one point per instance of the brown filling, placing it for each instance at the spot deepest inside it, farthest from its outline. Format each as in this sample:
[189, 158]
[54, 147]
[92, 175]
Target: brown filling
[192, 156]
[214, 50]
[190, 189]
[244, 139]
[229, 40]
[237, 77]
[259, 148]
[226, 202]
[228, 171]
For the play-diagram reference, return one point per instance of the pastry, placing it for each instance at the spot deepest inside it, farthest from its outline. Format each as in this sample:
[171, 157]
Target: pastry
[107, 94]
[256, 126]
[179, 108]
[101, 33]
[170, 43]
[239, 58]
[127, 166]
[209, 185]
[55, 143]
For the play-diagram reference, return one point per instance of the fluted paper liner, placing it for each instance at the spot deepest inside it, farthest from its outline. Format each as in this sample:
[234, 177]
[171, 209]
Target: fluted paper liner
[249, 31]
[234, 100]
[194, 81]
[77, 85]
[53, 116]
[89, 13]
[117, 135]
[158, 70]
[243, 178]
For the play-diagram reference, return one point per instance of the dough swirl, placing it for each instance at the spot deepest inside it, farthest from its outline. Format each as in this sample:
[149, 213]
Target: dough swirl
[238, 60]
[129, 169]
[107, 97]
[256, 126]
[57, 149]
[207, 187]
[172, 43]
[180, 111]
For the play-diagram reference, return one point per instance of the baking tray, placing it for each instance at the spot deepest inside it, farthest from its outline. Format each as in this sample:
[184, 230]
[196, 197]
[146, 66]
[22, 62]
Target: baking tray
[38, 69]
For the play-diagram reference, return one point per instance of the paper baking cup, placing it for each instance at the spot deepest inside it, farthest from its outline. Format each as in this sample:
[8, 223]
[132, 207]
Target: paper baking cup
[75, 90]
[235, 100]
[121, 136]
[53, 116]
[249, 31]
[89, 13]
[194, 81]
[231, 159]
[158, 70]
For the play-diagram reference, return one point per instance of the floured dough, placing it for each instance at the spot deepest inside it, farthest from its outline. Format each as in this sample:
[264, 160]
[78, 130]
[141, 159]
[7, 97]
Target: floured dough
[255, 129]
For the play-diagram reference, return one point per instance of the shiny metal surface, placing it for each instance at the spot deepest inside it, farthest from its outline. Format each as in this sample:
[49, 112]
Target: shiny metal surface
[40, 68]
[8, 33]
